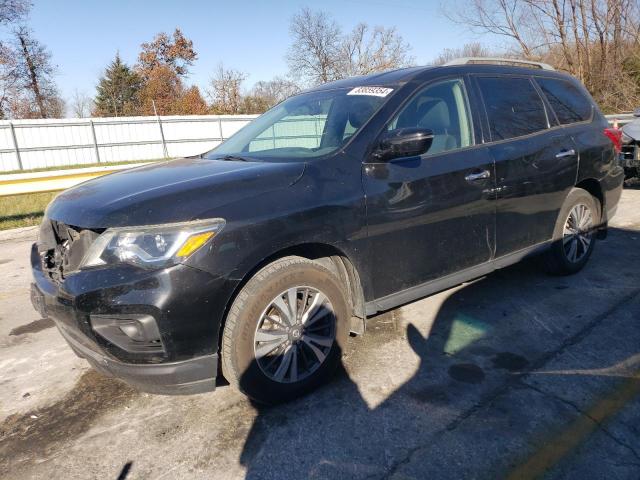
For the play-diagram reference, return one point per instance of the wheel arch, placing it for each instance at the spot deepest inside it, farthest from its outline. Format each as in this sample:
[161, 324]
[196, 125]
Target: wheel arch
[329, 256]
[594, 188]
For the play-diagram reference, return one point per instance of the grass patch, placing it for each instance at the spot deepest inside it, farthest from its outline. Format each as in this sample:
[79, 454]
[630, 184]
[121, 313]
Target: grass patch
[84, 165]
[23, 210]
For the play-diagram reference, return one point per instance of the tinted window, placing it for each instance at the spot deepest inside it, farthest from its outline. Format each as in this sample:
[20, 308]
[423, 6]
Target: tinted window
[443, 109]
[566, 100]
[513, 106]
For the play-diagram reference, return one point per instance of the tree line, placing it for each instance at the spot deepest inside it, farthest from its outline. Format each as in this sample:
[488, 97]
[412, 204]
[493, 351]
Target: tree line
[320, 52]
[595, 40]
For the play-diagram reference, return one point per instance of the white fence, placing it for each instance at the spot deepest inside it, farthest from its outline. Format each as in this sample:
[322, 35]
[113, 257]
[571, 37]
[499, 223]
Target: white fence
[27, 144]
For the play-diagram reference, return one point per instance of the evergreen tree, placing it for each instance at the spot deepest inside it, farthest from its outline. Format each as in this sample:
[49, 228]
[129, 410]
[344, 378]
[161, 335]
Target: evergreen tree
[118, 91]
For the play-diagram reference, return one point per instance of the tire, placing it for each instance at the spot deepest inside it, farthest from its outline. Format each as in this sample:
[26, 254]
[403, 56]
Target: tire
[261, 312]
[561, 258]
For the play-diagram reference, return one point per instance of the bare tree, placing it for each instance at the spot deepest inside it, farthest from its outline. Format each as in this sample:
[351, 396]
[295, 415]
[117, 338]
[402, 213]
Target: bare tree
[35, 77]
[595, 40]
[475, 49]
[9, 77]
[317, 44]
[266, 94]
[500, 17]
[367, 50]
[225, 90]
[320, 52]
[81, 104]
[13, 10]
[274, 91]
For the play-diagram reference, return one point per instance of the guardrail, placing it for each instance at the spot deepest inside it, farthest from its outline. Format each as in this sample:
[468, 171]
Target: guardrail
[620, 118]
[41, 182]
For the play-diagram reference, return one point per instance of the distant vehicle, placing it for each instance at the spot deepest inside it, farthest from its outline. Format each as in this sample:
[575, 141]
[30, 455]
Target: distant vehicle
[343, 201]
[631, 146]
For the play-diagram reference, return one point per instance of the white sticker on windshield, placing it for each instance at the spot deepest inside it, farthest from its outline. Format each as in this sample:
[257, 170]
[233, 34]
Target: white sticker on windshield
[372, 91]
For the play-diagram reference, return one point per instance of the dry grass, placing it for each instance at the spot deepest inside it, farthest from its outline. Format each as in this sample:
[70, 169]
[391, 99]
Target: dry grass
[23, 210]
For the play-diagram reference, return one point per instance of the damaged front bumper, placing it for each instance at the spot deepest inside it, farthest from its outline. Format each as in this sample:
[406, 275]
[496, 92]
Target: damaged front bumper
[187, 361]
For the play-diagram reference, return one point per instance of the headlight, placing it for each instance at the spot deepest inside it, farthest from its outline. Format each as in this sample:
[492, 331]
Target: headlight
[151, 246]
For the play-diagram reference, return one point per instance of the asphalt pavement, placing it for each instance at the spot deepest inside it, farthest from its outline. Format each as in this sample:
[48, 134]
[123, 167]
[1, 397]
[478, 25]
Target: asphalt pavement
[516, 375]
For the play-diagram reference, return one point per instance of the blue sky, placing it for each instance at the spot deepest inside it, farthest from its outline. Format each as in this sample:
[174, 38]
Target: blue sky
[250, 36]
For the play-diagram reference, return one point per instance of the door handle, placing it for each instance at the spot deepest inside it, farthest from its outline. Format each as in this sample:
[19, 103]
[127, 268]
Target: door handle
[483, 175]
[566, 153]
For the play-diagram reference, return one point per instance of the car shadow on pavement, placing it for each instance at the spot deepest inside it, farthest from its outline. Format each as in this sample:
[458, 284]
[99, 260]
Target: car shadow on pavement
[485, 336]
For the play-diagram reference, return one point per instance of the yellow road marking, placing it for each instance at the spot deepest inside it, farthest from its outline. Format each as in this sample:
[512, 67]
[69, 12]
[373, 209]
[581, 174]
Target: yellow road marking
[578, 431]
[57, 177]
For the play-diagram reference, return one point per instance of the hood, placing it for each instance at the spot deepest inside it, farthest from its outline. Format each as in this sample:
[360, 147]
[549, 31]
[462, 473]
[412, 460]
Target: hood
[174, 191]
[633, 129]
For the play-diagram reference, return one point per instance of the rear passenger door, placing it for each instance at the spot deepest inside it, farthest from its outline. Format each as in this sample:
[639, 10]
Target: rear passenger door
[535, 161]
[575, 111]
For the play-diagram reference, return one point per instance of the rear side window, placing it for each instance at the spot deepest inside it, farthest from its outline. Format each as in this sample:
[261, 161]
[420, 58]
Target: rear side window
[569, 103]
[514, 107]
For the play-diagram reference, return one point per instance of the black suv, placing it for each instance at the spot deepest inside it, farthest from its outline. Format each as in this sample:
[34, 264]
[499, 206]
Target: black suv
[260, 257]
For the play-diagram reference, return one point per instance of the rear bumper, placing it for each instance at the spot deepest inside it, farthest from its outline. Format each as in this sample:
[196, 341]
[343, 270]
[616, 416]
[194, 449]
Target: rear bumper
[612, 186]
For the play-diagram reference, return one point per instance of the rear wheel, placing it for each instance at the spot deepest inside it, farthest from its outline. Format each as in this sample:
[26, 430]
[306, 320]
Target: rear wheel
[574, 236]
[285, 330]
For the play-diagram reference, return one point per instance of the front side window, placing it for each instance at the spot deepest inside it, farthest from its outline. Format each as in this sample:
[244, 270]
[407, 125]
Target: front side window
[443, 109]
[513, 105]
[305, 126]
[567, 101]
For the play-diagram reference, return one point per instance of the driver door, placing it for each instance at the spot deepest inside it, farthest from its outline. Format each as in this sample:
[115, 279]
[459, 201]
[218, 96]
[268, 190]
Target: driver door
[431, 215]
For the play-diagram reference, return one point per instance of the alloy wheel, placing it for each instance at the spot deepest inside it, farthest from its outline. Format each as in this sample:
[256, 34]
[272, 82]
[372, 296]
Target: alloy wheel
[578, 233]
[294, 334]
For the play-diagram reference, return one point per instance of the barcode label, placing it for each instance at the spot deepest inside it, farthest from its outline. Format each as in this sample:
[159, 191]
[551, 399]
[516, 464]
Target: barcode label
[371, 91]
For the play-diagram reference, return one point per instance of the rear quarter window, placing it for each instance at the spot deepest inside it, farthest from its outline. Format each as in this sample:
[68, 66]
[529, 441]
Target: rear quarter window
[514, 107]
[568, 102]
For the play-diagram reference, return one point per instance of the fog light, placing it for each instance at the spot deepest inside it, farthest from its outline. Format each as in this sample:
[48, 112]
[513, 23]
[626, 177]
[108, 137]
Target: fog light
[135, 333]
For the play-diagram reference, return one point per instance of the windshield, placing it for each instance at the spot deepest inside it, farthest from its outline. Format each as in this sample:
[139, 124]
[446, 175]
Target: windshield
[305, 126]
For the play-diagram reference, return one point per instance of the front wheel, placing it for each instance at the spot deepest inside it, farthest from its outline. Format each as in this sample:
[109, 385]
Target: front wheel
[285, 331]
[574, 236]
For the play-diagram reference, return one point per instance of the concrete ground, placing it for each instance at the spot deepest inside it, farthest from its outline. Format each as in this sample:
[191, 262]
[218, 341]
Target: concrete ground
[518, 375]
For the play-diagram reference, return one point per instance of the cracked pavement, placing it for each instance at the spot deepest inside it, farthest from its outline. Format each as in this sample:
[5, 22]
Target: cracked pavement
[517, 375]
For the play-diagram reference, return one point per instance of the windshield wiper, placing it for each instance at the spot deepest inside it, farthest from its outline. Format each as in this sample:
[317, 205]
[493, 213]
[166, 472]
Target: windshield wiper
[234, 158]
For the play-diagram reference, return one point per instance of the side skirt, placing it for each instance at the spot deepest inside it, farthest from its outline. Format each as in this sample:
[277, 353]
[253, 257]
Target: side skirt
[452, 280]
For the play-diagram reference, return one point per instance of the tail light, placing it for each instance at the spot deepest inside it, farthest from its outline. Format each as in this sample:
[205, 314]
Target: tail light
[615, 135]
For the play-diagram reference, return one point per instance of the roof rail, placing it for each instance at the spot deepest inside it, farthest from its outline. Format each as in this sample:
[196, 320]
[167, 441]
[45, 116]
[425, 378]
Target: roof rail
[498, 61]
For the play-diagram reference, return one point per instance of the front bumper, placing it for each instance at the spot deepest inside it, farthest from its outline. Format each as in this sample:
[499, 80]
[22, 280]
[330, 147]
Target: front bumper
[197, 375]
[179, 298]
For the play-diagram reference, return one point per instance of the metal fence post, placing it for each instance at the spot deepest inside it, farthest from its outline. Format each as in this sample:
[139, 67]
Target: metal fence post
[15, 145]
[220, 128]
[95, 140]
[164, 143]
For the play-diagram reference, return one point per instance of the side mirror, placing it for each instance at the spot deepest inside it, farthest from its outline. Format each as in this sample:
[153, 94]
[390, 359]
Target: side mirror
[636, 112]
[403, 142]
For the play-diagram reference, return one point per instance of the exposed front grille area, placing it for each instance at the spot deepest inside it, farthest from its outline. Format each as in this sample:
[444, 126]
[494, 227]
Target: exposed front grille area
[63, 247]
